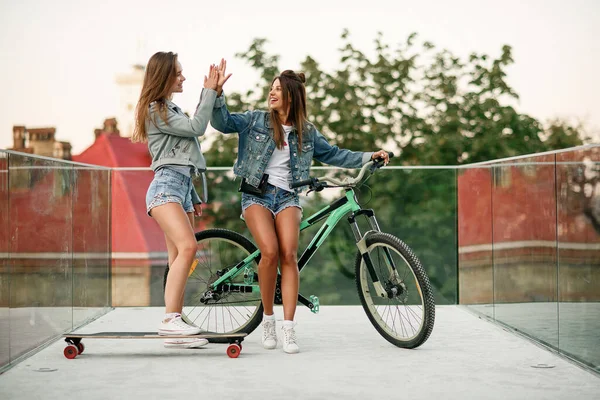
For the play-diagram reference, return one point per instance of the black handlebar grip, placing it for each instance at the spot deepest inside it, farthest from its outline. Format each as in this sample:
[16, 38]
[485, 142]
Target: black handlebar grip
[379, 159]
[302, 183]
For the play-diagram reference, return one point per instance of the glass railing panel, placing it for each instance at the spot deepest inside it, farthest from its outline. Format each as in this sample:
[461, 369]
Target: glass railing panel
[138, 244]
[525, 252]
[91, 243]
[578, 191]
[4, 262]
[475, 241]
[41, 251]
[418, 206]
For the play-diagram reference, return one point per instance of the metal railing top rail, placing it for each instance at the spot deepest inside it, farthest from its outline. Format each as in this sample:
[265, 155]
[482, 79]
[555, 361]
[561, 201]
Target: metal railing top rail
[56, 160]
[502, 162]
[399, 167]
[545, 153]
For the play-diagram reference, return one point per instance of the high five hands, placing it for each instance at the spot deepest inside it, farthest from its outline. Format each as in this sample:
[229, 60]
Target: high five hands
[212, 81]
[217, 77]
[222, 76]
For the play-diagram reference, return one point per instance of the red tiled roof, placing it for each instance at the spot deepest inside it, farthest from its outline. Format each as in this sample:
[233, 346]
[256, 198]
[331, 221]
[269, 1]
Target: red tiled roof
[115, 151]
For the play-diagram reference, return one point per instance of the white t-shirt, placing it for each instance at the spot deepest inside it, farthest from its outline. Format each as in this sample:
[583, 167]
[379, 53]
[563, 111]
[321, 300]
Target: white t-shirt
[279, 170]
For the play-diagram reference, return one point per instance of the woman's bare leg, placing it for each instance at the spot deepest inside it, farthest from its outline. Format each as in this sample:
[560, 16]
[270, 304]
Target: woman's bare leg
[174, 222]
[262, 227]
[287, 224]
[191, 218]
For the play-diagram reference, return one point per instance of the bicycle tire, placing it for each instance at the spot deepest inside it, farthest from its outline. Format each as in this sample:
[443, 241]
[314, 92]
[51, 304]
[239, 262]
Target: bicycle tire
[205, 316]
[415, 306]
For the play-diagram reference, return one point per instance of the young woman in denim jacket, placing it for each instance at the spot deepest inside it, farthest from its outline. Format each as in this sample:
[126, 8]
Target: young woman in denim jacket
[171, 198]
[280, 143]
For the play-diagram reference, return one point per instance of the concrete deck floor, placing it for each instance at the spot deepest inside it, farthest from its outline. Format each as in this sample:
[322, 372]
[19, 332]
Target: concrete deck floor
[341, 356]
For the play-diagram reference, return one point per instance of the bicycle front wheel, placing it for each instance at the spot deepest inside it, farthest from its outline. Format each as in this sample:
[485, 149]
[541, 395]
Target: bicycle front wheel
[227, 312]
[404, 313]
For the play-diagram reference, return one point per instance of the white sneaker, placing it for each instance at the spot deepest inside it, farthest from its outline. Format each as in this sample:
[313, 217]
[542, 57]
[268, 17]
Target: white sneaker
[269, 339]
[290, 344]
[176, 326]
[187, 343]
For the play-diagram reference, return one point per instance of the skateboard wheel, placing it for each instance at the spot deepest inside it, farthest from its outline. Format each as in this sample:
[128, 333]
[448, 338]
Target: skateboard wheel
[233, 350]
[71, 351]
[80, 347]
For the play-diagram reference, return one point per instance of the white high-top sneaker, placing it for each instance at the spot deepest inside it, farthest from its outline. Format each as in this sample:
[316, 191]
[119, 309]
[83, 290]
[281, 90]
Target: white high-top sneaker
[269, 339]
[290, 343]
[176, 326]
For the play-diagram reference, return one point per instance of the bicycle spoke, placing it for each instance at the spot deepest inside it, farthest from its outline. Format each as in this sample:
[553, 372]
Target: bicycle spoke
[222, 311]
[403, 316]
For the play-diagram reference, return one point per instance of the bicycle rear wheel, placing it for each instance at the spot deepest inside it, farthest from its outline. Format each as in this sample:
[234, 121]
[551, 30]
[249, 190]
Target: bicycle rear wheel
[229, 312]
[406, 314]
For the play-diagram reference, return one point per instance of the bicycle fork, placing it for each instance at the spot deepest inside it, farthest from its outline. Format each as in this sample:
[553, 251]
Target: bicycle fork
[361, 243]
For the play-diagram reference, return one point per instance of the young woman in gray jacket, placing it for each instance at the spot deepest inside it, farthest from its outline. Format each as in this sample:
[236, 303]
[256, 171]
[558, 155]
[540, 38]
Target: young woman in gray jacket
[176, 156]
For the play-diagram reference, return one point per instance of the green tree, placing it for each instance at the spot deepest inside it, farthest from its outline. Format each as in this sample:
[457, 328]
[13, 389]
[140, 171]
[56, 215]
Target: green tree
[427, 105]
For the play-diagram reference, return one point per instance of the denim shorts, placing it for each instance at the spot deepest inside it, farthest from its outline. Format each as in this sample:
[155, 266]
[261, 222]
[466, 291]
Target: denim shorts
[275, 200]
[169, 186]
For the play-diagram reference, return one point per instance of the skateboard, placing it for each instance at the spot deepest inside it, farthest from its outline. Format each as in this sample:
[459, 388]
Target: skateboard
[75, 347]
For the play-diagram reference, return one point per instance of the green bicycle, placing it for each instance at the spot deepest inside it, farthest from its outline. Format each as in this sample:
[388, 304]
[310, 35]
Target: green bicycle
[222, 294]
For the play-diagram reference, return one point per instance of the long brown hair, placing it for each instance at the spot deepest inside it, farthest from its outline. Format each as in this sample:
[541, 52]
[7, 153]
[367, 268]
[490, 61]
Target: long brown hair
[160, 74]
[294, 95]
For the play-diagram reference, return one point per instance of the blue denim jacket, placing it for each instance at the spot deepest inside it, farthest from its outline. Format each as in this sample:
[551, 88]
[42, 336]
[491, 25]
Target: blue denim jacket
[256, 145]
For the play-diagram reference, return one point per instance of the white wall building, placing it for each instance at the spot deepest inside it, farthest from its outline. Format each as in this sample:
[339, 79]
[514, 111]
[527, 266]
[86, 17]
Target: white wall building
[130, 85]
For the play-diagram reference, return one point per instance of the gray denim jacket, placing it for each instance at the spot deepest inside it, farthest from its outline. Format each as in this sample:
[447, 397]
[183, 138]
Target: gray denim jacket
[256, 145]
[176, 142]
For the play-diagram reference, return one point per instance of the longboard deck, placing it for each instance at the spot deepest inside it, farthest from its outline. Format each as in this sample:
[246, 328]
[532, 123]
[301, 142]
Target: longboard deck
[75, 346]
[149, 335]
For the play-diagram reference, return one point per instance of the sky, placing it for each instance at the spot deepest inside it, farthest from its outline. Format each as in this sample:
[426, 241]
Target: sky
[60, 58]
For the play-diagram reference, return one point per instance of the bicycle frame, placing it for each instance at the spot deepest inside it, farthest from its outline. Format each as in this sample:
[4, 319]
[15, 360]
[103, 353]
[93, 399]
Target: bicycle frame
[334, 213]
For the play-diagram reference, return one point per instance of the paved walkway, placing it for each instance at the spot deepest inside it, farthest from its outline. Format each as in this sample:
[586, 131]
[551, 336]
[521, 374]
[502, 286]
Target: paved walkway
[342, 357]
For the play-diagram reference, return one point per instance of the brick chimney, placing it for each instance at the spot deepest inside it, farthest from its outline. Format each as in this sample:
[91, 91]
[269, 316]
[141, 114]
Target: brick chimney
[19, 138]
[42, 141]
[109, 127]
[62, 150]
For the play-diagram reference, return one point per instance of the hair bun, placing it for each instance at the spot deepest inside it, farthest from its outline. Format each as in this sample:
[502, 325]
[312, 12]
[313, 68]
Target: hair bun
[288, 73]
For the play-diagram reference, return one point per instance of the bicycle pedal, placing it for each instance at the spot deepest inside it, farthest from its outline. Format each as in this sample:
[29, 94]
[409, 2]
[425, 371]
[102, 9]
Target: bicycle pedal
[248, 276]
[314, 300]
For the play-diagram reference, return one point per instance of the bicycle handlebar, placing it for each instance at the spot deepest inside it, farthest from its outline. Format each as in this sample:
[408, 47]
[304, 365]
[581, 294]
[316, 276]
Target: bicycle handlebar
[313, 183]
[306, 182]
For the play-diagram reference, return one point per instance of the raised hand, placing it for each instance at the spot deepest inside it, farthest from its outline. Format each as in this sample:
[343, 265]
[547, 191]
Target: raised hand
[211, 81]
[222, 76]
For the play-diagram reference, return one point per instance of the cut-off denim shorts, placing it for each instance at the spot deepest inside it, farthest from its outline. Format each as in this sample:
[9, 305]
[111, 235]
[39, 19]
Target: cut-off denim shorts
[275, 200]
[169, 186]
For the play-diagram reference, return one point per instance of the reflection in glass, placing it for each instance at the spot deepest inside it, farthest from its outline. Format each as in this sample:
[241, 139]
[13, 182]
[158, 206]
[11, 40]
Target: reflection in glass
[475, 243]
[524, 232]
[578, 192]
[4, 262]
[40, 204]
[91, 242]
